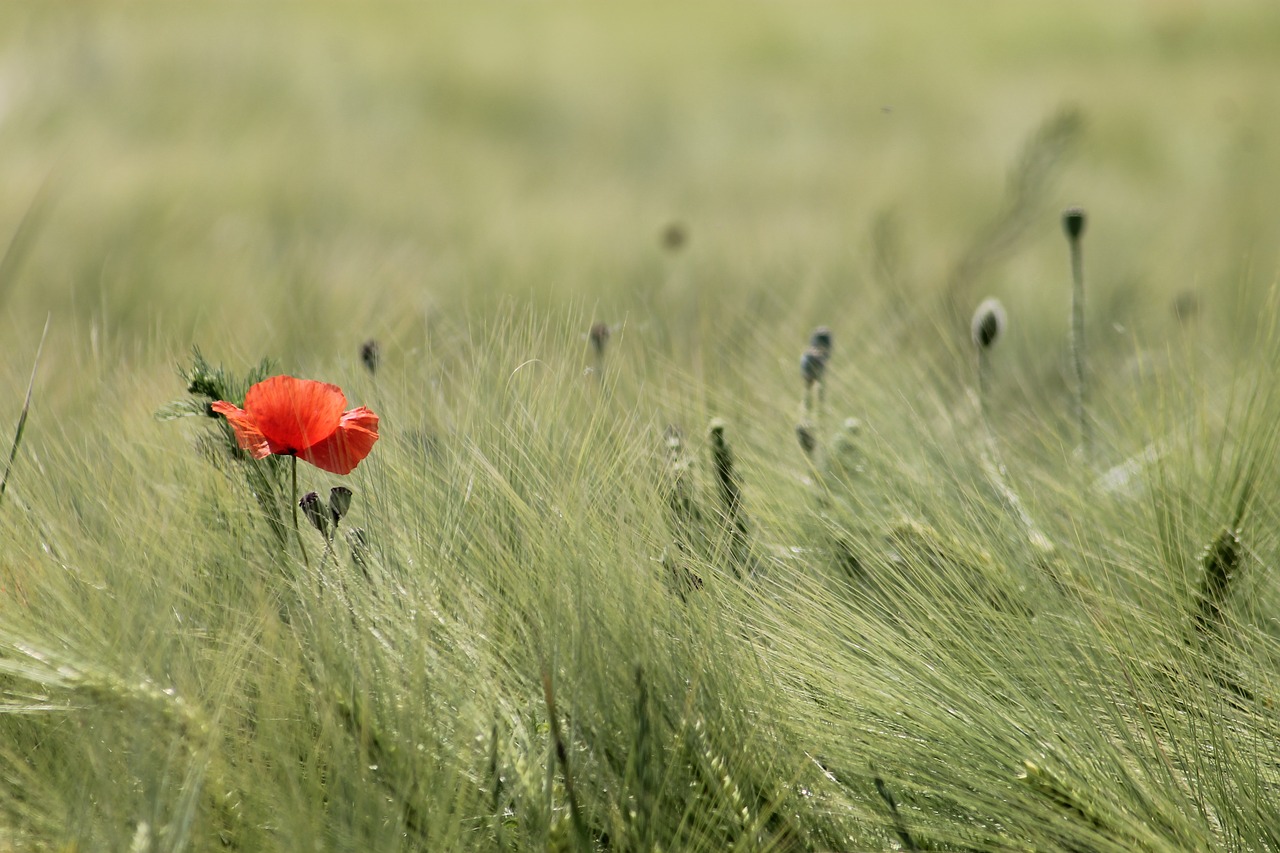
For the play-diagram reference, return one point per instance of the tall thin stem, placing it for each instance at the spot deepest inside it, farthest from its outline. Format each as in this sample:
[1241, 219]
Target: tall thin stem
[984, 387]
[1077, 340]
[1073, 221]
[297, 532]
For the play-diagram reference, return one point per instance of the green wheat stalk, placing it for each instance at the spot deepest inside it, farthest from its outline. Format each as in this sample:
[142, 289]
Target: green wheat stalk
[562, 758]
[26, 407]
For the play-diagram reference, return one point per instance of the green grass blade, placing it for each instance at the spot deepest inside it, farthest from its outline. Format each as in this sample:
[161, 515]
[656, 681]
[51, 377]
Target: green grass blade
[26, 407]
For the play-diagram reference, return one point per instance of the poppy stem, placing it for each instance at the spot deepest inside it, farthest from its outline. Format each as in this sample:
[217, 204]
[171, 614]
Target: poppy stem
[296, 531]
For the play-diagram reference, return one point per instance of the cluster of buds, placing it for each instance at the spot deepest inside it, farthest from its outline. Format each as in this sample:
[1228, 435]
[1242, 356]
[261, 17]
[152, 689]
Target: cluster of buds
[326, 518]
[813, 371]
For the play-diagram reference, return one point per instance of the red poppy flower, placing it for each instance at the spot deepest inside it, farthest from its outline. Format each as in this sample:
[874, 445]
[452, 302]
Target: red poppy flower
[303, 418]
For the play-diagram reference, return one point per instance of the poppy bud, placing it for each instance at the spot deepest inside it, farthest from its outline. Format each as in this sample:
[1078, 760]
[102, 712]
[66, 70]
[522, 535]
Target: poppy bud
[1073, 222]
[821, 340]
[988, 324]
[313, 508]
[813, 364]
[339, 503]
[674, 236]
[370, 355]
[599, 337]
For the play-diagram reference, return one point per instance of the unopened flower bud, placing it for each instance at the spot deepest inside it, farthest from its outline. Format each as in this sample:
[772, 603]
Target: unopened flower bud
[821, 340]
[339, 502]
[313, 508]
[1073, 220]
[599, 337]
[371, 355]
[988, 323]
[674, 236]
[813, 364]
[804, 434]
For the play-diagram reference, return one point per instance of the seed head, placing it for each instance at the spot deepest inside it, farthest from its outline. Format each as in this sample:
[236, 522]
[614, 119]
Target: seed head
[821, 340]
[370, 355]
[1073, 221]
[813, 364]
[988, 324]
[313, 508]
[339, 502]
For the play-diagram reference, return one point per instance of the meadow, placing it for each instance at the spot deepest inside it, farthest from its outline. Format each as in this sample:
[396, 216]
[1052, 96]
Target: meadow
[622, 572]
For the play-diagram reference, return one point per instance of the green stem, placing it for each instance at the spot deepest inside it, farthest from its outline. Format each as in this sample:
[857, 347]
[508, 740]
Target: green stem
[297, 532]
[984, 388]
[1077, 343]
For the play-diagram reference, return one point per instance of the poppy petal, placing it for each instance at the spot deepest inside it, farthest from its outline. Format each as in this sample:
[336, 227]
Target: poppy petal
[248, 436]
[294, 414]
[341, 452]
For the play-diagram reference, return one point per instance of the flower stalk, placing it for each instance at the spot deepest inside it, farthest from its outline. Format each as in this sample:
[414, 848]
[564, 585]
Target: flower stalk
[1073, 222]
[297, 532]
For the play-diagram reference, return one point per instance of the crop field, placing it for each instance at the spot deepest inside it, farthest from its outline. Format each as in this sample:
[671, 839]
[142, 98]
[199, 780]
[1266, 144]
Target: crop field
[726, 426]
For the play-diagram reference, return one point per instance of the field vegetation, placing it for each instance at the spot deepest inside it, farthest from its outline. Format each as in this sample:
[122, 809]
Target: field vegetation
[641, 561]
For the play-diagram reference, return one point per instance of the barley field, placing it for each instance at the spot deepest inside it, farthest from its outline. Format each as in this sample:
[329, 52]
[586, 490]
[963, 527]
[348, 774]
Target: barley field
[799, 427]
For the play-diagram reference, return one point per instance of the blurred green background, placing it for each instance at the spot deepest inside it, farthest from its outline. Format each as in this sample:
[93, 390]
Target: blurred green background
[287, 180]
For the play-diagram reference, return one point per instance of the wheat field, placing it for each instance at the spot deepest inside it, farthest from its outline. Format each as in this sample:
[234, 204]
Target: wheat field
[712, 508]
